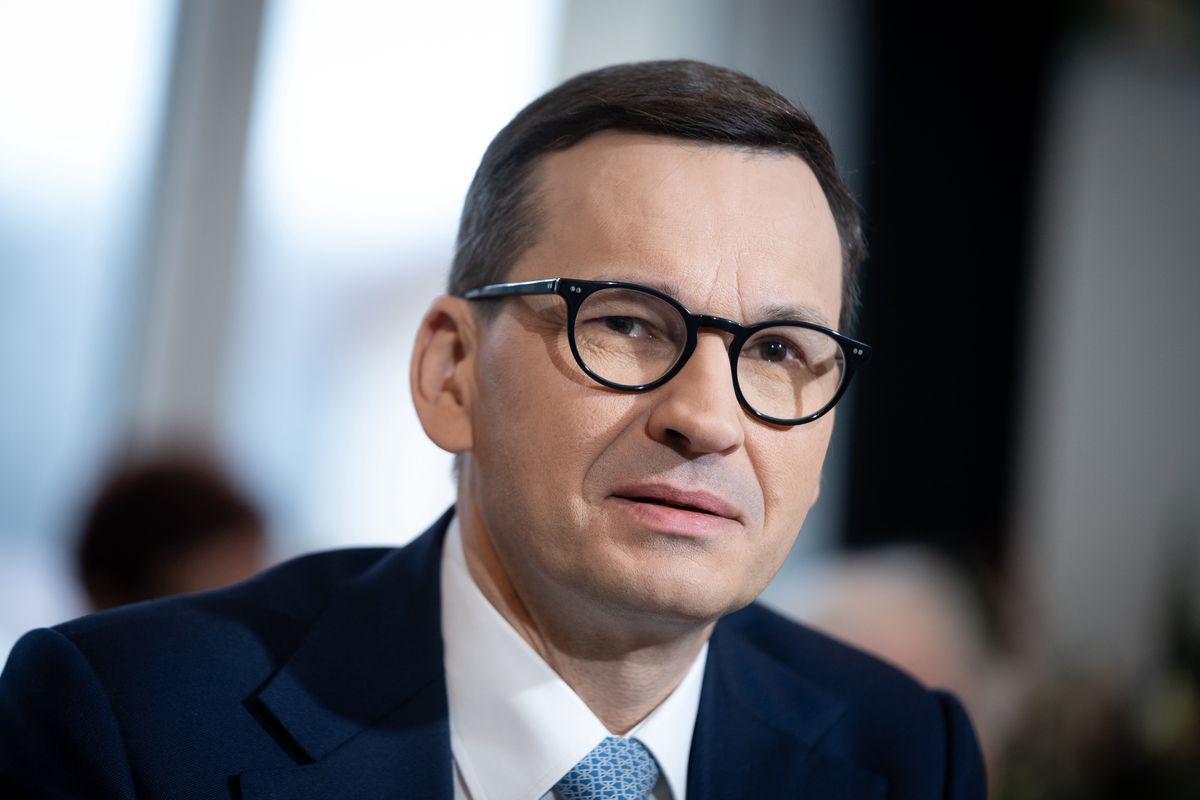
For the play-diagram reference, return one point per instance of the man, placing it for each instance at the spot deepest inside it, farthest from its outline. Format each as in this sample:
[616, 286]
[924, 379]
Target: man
[636, 365]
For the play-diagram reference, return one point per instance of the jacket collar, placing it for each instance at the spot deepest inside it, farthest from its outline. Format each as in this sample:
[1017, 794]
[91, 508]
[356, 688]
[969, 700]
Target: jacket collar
[363, 699]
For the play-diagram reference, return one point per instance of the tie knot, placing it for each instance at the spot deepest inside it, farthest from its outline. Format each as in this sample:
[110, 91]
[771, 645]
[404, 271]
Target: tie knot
[617, 769]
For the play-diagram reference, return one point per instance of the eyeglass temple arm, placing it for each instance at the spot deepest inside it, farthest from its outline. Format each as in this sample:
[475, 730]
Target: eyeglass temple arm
[507, 289]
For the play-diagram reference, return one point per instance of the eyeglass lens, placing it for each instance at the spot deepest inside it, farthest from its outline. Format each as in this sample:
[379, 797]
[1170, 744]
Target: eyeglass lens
[632, 338]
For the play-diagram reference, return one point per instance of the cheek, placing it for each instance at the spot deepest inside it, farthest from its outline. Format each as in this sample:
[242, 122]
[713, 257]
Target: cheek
[513, 392]
[538, 428]
[789, 467]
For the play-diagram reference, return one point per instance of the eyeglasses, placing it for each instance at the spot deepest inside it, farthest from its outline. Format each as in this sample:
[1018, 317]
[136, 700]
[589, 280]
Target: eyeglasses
[634, 338]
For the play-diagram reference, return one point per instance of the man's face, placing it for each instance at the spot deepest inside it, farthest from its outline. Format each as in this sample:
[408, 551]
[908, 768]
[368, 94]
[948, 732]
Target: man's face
[675, 502]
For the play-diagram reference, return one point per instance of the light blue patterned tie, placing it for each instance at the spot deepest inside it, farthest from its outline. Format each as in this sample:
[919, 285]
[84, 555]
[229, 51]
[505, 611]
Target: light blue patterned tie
[617, 769]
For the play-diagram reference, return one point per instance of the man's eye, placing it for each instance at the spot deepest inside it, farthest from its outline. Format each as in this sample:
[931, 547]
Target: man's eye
[774, 351]
[625, 326]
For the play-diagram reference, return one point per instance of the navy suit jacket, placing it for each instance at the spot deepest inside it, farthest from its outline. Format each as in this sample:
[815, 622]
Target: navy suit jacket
[323, 678]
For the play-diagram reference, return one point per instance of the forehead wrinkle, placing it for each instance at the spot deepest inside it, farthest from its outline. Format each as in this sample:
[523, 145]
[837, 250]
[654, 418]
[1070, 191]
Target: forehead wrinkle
[775, 311]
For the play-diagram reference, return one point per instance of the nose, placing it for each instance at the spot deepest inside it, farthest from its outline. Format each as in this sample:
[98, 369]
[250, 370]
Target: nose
[697, 412]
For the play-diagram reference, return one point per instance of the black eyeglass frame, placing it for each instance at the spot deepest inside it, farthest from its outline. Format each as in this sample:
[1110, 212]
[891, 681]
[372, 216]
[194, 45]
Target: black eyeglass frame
[574, 292]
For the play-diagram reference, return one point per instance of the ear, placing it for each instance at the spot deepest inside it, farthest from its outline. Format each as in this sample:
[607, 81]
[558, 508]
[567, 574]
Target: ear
[442, 373]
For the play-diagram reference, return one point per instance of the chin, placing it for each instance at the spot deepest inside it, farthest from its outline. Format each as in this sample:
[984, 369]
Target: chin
[679, 599]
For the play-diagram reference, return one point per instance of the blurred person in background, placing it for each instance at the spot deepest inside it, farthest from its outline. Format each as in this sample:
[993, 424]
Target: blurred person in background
[635, 364]
[167, 525]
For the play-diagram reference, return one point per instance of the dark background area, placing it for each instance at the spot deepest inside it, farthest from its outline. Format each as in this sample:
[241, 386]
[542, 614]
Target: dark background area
[955, 117]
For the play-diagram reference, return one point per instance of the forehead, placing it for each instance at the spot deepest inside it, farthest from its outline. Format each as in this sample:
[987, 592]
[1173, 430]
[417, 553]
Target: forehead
[727, 231]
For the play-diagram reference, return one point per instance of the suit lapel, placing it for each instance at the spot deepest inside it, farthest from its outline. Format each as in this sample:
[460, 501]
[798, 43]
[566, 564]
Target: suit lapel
[363, 700]
[758, 727]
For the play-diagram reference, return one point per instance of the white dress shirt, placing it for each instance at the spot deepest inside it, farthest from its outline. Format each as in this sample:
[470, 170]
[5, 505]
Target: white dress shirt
[515, 726]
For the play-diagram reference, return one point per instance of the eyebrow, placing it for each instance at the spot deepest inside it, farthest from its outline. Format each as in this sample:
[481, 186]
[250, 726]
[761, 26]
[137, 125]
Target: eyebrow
[774, 312]
[799, 312]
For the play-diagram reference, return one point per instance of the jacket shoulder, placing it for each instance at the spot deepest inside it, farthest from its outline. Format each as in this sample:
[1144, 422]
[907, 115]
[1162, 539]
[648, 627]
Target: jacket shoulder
[886, 720]
[281, 601]
[839, 668]
[87, 704]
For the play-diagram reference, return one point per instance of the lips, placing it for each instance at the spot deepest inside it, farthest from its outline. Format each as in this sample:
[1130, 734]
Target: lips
[693, 500]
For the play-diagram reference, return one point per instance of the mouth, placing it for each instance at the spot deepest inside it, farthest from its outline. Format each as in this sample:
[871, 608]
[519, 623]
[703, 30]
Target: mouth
[687, 500]
[667, 504]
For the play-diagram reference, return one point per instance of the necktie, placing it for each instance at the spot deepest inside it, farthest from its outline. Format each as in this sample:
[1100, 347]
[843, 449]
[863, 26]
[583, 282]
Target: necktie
[617, 769]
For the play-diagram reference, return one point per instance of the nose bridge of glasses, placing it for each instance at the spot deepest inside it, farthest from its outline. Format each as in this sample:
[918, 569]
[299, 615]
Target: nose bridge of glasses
[729, 328]
[699, 322]
[719, 323]
[726, 326]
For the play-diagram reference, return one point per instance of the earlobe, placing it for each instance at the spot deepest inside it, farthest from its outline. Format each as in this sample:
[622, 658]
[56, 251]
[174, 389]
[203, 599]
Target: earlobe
[442, 375]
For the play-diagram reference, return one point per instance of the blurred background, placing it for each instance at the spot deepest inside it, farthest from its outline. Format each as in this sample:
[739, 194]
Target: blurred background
[221, 221]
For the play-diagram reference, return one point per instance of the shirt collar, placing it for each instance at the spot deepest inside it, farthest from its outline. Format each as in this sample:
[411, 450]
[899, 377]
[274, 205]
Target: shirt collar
[515, 726]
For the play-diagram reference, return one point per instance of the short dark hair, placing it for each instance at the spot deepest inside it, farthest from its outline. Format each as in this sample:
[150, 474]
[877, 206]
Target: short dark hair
[685, 100]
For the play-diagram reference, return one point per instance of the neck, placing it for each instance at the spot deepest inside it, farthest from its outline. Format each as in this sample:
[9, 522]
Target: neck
[622, 665]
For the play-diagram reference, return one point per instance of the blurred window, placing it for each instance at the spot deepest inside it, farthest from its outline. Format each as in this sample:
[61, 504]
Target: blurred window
[369, 120]
[81, 91]
[81, 94]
